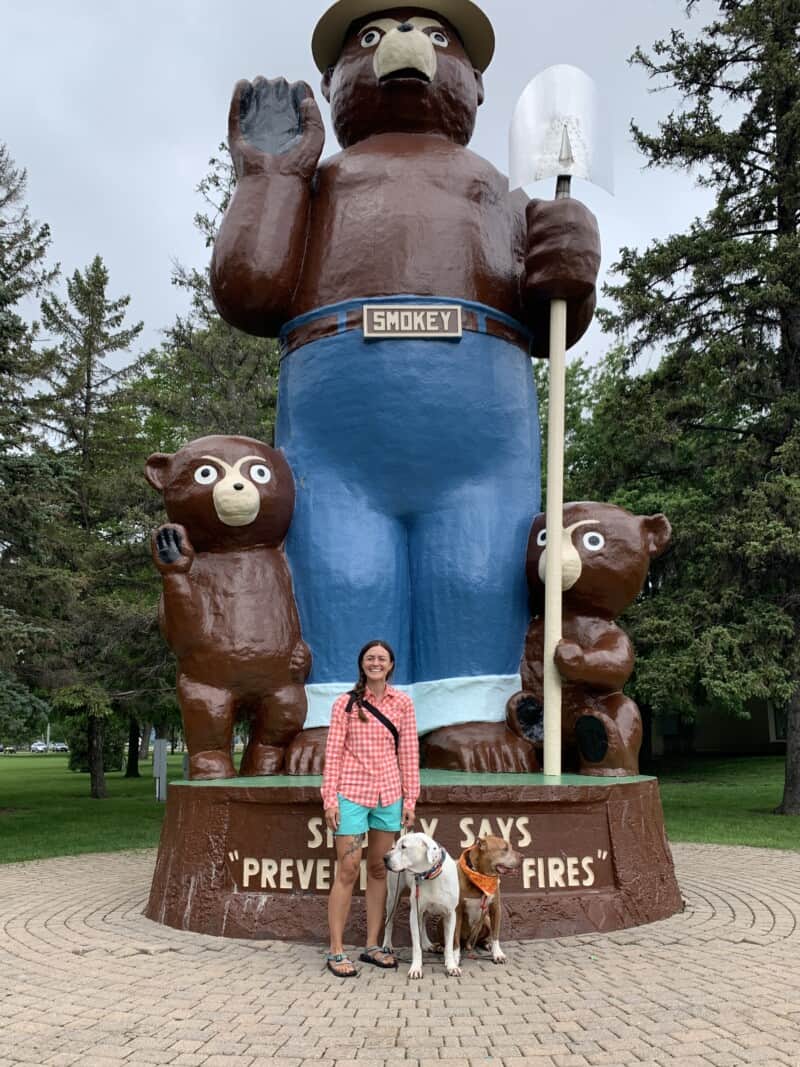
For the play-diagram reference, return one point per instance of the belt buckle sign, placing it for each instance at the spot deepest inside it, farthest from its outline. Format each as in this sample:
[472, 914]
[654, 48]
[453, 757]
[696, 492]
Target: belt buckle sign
[435, 322]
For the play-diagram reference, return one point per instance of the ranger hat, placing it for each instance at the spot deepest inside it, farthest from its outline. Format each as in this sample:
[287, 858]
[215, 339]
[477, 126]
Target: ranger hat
[465, 17]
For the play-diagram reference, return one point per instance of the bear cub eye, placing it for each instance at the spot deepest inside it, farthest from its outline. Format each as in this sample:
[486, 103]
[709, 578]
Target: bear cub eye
[205, 475]
[260, 474]
[370, 38]
[541, 538]
[593, 541]
[439, 39]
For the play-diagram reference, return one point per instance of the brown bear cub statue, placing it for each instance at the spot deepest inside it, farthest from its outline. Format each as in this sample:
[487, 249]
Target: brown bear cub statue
[227, 608]
[606, 553]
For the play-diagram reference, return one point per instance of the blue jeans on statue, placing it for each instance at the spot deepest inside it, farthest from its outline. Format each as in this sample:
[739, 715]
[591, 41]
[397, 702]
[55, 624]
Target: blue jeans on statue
[416, 463]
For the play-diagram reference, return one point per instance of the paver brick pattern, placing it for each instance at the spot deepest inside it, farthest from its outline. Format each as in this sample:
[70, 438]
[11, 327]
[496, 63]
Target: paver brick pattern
[85, 979]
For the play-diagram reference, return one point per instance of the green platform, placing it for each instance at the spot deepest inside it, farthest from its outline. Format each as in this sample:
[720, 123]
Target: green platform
[426, 778]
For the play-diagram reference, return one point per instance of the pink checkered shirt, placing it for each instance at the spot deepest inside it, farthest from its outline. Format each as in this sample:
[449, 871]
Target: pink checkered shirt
[360, 760]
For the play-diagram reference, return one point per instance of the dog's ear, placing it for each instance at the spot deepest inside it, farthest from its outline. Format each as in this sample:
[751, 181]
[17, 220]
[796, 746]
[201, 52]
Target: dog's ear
[483, 842]
[433, 853]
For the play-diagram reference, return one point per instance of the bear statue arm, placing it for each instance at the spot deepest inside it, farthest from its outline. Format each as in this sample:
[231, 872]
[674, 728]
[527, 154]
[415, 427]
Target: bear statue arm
[275, 133]
[606, 664]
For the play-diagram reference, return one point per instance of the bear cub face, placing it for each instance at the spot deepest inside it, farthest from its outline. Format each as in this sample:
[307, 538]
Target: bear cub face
[403, 70]
[606, 553]
[228, 492]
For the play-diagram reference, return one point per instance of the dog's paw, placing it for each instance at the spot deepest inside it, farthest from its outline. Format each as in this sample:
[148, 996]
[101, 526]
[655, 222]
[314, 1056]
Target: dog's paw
[498, 956]
[414, 972]
[453, 972]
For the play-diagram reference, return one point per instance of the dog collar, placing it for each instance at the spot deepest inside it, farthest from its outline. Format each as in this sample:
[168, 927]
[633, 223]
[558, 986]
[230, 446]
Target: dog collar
[486, 883]
[435, 870]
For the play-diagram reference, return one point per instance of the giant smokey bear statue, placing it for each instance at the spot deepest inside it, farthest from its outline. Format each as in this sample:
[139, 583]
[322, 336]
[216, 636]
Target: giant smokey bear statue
[416, 458]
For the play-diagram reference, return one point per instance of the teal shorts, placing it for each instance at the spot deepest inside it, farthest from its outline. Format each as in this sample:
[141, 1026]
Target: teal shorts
[355, 819]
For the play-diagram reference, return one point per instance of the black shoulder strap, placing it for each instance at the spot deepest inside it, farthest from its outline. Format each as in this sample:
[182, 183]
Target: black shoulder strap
[390, 726]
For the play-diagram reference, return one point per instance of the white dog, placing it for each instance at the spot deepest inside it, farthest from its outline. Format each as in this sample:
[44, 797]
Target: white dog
[432, 876]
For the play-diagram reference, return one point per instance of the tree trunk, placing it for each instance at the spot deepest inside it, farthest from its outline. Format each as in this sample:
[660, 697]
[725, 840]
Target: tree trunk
[144, 745]
[790, 805]
[132, 768]
[96, 772]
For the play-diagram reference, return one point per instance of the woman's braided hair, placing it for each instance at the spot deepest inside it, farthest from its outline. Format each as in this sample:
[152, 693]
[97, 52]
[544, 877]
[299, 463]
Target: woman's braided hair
[359, 689]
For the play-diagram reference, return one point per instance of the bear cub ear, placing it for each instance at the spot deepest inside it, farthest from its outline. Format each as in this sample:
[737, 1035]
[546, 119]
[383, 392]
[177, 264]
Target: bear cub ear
[659, 533]
[156, 470]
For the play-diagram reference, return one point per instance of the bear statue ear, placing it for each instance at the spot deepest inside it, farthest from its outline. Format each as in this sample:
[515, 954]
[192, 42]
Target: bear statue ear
[156, 468]
[325, 84]
[479, 83]
[659, 533]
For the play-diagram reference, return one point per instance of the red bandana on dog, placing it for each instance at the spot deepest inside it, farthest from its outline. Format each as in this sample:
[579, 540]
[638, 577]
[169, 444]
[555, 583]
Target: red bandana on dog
[487, 883]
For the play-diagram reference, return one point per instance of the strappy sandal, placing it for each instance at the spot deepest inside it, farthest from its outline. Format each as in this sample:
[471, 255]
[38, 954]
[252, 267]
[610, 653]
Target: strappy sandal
[371, 954]
[334, 961]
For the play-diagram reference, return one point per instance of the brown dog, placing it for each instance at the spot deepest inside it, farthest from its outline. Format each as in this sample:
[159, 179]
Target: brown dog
[479, 909]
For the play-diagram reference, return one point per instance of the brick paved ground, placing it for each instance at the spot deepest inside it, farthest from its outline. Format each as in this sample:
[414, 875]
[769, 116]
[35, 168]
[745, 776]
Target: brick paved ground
[84, 979]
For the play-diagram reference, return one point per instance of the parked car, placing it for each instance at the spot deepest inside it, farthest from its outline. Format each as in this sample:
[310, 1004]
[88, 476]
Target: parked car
[39, 746]
[59, 746]
[8, 750]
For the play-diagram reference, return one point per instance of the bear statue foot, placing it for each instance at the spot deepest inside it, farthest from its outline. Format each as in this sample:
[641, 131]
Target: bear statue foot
[211, 764]
[479, 748]
[261, 760]
[306, 753]
[599, 755]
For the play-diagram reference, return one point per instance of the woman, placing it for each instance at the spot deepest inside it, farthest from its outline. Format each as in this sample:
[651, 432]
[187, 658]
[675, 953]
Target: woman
[370, 786]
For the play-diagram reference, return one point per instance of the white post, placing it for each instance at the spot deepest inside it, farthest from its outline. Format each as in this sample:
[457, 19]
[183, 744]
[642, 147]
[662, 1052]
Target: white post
[160, 768]
[554, 518]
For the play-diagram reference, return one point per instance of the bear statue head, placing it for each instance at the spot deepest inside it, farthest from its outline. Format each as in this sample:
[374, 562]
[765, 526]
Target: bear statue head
[229, 492]
[403, 69]
[606, 553]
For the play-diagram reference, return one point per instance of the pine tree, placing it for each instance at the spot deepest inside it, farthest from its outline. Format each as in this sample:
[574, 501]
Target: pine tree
[712, 435]
[210, 377]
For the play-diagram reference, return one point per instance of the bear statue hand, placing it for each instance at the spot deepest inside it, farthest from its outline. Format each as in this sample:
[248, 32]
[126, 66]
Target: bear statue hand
[563, 251]
[569, 660]
[172, 549]
[274, 128]
[300, 662]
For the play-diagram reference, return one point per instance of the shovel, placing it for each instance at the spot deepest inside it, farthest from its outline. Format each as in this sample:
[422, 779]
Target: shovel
[557, 132]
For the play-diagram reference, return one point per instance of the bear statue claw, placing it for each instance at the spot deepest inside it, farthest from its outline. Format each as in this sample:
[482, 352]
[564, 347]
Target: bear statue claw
[306, 753]
[479, 748]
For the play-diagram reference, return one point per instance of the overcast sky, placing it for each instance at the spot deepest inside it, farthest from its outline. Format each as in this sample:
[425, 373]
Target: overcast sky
[115, 108]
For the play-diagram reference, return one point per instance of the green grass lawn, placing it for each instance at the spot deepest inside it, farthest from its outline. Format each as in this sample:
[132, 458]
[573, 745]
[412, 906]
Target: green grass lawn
[727, 801]
[46, 810]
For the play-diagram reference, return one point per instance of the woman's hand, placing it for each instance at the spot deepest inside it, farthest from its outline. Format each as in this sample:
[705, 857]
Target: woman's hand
[408, 818]
[332, 817]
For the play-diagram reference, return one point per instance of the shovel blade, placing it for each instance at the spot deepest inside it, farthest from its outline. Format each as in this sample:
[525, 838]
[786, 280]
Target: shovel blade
[559, 129]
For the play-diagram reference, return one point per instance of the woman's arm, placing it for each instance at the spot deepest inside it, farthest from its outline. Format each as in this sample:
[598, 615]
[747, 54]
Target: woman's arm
[408, 760]
[334, 749]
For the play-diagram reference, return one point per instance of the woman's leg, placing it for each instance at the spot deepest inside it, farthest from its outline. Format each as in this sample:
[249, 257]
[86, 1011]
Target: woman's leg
[348, 855]
[378, 844]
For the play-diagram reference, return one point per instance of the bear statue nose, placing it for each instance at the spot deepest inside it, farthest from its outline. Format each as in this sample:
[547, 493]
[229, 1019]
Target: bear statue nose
[239, 485]
[405, 27]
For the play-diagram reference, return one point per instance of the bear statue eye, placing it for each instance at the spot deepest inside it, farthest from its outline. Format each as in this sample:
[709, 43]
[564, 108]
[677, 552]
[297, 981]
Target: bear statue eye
[594, 541]
[541, 538]
[205, 475]
[260, 474]
[370, 38]
[439, 39]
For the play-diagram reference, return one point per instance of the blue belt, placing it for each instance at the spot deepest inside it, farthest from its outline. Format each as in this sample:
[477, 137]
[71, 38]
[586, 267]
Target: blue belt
[347, 315]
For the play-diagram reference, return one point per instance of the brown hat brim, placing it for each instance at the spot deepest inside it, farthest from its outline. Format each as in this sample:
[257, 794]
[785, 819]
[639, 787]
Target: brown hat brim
[472, 25]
